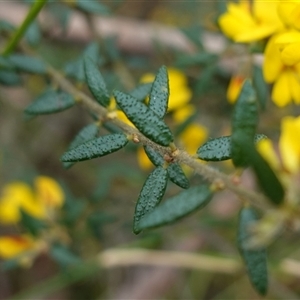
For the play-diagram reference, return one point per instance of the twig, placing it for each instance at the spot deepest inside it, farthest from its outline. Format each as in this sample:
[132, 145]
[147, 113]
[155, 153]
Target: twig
[127, 257]
[182, 156]
[31, 16]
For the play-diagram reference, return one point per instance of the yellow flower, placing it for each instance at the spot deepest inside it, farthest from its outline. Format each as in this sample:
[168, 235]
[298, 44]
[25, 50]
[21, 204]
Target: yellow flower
[285, 77]
[192, 137]
[289, 147]
[180, 93]
[38, 202]
[48, 192]
[289, 144]
[234, 88]
[247, 22]
[289, 43]
[23, 248]
[289, 12]
[143, 160]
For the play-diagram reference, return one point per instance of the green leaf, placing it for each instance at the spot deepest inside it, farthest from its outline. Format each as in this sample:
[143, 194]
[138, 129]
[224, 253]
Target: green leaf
[244, 122]
[150, 196]
[63, 255]
[266, 177]
[10, 78]
[255, 259]
[96, 82]
[159, 94]
[33, 34]
[32, 224]
[144, 119]
[50, 102]
[142, 91]
[95, 148]
[75, 69]
[175, 171]
[260, 86]
[91, 6]
[177, 207]
[219, 149]
[154, 156]
[86, 134]
[28, 64]
[177, 175]
[5, 63]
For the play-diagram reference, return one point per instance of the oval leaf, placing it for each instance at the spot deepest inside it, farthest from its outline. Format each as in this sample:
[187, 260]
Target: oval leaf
[154, 156]
[10, 78]
[177, 207]
[151, 194]
[159, 94]
[266, 177]
[50, 102]
[177, 175]
[260, 86]
[220, 148]
[96, 82]
[255, 259]
[95, 148]
[244, 122]
[86, 134]
[28, 64]
[92, 6]
[144, 119]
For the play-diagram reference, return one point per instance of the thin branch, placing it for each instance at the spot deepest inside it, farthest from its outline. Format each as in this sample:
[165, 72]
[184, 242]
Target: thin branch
[31, 16]
[181, 156]
[127, 257]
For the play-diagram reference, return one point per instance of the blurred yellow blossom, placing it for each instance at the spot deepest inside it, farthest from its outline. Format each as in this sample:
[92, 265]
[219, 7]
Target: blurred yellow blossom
[21, 247]
[48, 192]
[285, 77]
[289, 147]
[234, 88]
[118, 113]
[250, 21]
[180, 93]
[192, 137]
[289, 44]
[289, 143]
[143, 160]
[289, 12]
[37, 202]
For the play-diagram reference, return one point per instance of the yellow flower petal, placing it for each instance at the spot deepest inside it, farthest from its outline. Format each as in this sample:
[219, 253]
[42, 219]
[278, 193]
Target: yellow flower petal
[121, 115]
[12, 246]
[243, 24]
[234, 88]
[289, 12]
[266, 149]
[192, 137]
[18, 195]
[180, 93]
[281, 93]
[256, 33]
[182, 114]
[289, 143]
[295, 17]
[272, 65]
[285, 9]
[143, 160]
[290, 55]
[49, 192]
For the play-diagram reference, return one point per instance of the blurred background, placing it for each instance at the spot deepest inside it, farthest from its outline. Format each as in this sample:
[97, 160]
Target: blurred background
[135, 38]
